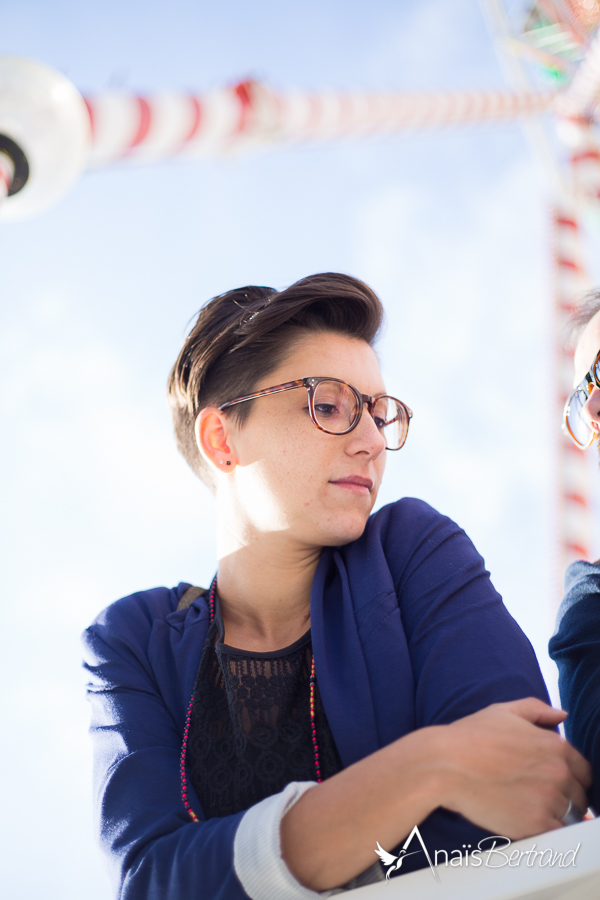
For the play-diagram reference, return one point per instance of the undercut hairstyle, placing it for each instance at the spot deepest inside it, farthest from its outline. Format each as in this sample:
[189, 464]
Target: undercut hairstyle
[583, 313]
[240, 337]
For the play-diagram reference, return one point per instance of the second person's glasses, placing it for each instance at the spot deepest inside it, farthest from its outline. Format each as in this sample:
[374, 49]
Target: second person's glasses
[574, 424]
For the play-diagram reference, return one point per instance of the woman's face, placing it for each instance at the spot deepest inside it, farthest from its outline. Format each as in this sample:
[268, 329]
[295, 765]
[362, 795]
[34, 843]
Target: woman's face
[287, 476]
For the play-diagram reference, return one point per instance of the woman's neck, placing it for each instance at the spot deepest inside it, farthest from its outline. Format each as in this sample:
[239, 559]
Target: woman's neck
[264, 590]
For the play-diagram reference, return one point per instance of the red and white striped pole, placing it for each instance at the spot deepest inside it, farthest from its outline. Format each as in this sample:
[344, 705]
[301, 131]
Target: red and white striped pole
[580, 98]
[55, 134]
[147, 129]
[569, 283]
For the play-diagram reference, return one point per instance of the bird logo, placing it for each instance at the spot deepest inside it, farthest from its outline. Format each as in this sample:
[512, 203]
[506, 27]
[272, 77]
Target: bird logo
[395, 862]
[388, 859]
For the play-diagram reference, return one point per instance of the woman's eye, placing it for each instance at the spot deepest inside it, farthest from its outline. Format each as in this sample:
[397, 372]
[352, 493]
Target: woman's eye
[326, 409]
[379, 422]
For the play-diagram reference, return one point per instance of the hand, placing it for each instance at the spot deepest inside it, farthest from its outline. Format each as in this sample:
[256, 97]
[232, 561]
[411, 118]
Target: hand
[511, 775]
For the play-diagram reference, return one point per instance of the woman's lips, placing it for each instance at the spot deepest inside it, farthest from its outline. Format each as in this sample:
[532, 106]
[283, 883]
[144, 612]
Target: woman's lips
[355, 483]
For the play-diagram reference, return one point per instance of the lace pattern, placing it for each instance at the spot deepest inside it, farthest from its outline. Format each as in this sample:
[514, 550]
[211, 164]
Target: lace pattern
[250, 729]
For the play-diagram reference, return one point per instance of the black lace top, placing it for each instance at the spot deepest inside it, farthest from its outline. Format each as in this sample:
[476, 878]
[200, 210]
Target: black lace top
[250, 731]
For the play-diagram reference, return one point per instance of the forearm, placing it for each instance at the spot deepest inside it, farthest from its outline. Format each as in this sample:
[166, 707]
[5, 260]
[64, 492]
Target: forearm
[329, 836]
[502, 768]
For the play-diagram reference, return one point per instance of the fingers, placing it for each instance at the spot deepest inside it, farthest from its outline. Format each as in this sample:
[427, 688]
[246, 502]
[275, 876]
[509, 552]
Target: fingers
[538, 713]
[548, 794]
[542, 715]
[569, 807]
[553, 825]
[578, 798]
[579, 766]
[535, 711]
[515, 773]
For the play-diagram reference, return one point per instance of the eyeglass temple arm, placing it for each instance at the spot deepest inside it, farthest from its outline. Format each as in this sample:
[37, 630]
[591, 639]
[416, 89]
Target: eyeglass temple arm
[287, 386]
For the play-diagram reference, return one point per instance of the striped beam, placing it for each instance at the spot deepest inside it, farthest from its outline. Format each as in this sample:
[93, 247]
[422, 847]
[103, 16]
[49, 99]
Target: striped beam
[147, 129]
[569, 283]
[581, 96]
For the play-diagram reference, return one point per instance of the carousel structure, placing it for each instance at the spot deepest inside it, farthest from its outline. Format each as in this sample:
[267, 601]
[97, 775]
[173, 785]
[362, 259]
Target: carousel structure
[50, 135]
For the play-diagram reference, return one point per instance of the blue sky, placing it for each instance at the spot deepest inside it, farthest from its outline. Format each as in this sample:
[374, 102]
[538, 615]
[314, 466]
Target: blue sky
[451, 228]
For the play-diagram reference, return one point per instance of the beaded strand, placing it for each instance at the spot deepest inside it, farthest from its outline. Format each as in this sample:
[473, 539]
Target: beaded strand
[188, 719]
[184, 796]
[312, 719]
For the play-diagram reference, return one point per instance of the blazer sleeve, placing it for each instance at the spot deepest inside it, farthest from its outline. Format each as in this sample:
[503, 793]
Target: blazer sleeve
[466, 650]
[575, 648]
[154, 849]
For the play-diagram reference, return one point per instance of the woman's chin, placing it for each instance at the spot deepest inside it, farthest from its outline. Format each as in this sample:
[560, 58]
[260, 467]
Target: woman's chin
[344, 529]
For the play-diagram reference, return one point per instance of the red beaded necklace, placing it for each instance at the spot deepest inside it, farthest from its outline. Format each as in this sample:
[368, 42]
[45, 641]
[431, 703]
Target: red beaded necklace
[188, 719]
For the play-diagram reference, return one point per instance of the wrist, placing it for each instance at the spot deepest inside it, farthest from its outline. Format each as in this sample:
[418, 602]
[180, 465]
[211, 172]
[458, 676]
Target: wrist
[431, 778]
[447, 776]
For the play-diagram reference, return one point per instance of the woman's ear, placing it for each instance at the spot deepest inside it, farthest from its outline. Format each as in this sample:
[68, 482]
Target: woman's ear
[212, 432]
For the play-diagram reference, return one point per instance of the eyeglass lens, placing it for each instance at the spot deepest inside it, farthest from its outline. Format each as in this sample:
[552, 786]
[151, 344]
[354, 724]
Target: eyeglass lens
[576, 423]
[578, 426]
[336, 410]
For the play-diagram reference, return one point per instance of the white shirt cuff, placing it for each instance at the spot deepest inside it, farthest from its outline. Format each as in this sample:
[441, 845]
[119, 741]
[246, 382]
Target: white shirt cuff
[257, 849]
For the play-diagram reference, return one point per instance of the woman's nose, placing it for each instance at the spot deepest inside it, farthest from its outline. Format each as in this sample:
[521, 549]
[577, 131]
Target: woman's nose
[369, 434]
[591, 409]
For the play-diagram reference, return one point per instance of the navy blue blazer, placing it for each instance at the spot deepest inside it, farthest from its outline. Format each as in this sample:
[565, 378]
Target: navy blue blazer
[407, 631]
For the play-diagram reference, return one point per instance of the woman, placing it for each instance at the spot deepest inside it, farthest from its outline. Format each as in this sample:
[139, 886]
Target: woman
[347, 676]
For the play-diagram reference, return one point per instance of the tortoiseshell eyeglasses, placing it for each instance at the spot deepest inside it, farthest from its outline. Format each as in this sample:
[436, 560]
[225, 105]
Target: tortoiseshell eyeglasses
[335, 407]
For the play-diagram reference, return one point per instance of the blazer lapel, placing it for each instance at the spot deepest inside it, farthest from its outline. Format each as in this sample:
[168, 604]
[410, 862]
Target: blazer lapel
[339, 662]
[361, 655]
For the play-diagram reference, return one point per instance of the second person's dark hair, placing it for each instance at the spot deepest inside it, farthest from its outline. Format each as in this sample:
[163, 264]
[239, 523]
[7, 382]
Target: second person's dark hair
[584, 311]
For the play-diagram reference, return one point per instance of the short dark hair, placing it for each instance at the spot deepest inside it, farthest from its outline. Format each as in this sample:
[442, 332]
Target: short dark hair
[242, 335]
[584, 312]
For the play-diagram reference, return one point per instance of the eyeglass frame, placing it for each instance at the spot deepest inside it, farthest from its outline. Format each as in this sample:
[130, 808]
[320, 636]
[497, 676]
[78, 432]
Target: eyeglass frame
[587, 384]
[311, 385]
